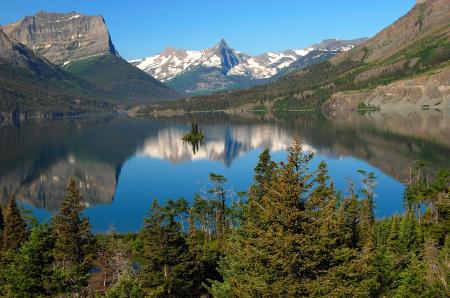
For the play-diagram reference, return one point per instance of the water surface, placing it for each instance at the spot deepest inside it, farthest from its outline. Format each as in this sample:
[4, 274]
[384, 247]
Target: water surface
[122, 163]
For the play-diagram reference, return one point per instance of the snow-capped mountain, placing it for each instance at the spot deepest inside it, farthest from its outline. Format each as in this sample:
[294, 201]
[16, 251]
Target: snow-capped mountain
[172, 62]
[222, 67]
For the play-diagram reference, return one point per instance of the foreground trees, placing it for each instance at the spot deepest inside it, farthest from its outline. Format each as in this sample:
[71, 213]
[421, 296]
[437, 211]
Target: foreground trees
[300, 238]
[168, 268]
[74, 246]
[294, 236]
[54, 260]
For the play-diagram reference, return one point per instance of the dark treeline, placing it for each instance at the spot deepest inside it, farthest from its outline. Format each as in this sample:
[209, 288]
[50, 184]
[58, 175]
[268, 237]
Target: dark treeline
[292, 234]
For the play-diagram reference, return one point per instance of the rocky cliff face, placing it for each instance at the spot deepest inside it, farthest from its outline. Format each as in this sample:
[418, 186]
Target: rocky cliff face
[15, 54]
[63, 37]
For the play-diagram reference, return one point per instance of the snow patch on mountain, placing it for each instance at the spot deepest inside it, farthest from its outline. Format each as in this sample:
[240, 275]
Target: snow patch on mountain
[173, 62]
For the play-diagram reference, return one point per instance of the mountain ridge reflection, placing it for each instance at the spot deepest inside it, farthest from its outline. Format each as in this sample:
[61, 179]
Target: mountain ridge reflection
[220, 144]
[36, 160]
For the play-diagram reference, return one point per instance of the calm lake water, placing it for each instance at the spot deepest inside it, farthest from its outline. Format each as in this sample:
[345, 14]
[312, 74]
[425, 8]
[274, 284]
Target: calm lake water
[123, 163]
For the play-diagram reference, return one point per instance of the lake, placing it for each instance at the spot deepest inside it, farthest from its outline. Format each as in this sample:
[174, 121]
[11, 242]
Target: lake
[122, 163]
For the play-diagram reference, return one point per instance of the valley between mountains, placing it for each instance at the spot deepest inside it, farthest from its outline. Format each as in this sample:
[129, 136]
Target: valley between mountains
[58, 64]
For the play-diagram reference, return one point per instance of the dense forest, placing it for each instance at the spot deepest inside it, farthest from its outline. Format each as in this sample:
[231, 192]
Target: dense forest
[292, 234]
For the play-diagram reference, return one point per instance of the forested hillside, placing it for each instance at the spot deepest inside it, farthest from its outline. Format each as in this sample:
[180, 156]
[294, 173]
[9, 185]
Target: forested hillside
[124, 83]
[292, 234]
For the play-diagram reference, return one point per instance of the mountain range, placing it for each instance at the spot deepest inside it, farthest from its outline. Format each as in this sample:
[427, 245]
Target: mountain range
[74, 55]
[222, 67]
[66, 63]
[407, 64]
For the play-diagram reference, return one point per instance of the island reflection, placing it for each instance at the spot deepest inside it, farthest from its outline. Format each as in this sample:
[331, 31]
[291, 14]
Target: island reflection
[36, 160]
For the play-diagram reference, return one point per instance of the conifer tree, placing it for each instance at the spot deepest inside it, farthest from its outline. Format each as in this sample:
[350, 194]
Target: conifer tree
[2, 225]
[178, 210]
[74, 247]
[203, 214]
[167, 270]
[381, 274]
[439, 197]
[394, 231]
[349, 213]
[409, 235]
[367, 217]
[322, 218]
[413, 281]
[263, 174]
[220, 193]
[258, 258]
[15, 229]
[30, 272]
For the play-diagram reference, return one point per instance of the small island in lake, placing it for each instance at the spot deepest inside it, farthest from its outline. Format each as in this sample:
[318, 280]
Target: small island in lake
[194, 135]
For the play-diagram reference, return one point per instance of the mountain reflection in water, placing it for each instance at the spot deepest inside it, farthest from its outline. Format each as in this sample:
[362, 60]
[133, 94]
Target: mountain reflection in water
[118, 161]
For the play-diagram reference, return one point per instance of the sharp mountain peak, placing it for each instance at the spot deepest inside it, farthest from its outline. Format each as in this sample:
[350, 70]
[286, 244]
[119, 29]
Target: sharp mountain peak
[222, 44]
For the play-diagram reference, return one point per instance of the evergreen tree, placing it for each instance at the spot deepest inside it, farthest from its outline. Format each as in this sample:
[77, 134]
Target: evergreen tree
[264, 171]
[30, 272]
[202, 212]
[381, 273]
[367, 217]
[178, 210]
[2, 225]
[413, 281]
[409, 237]
[349, 213]
[295, 236]
[439, 205]
[259, 260]
[220, 193]
[166, 271]
[74, 247]
[15, 229]
[332, 235]
[393, 237]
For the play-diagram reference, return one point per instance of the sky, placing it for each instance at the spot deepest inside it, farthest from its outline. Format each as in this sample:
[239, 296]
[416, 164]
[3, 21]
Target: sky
[146, 27]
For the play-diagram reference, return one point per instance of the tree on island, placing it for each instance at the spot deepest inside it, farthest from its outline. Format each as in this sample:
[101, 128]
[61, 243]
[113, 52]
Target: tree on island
[194, 137]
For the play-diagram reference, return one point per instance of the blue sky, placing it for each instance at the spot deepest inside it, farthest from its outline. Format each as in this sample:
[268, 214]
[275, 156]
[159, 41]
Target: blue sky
[143, 28]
